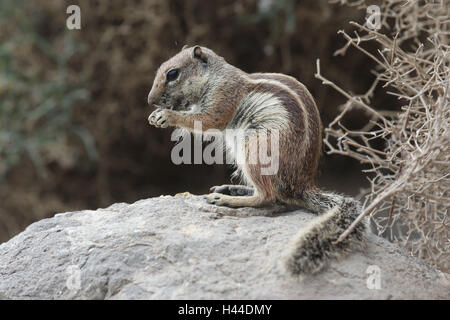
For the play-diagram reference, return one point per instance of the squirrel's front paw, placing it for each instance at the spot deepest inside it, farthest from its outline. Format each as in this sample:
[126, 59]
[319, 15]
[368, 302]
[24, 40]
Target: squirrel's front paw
[160, 118]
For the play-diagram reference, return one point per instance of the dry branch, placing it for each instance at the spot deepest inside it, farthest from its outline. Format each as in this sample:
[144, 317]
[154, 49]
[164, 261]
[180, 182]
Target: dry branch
[409, 193]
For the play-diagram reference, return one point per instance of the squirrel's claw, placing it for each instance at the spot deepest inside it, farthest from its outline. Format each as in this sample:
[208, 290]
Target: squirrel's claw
[159, 118]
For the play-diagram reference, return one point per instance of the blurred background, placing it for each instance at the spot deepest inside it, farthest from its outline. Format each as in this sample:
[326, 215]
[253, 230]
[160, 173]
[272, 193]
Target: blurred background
[73, 113]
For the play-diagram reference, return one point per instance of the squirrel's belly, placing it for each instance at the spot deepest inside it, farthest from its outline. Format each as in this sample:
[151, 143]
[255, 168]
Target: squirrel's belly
[235, 145]
[258, 112]
[236, 154]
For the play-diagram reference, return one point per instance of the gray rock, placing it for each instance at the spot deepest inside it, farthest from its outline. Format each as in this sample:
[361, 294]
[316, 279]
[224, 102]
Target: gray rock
[183, 248]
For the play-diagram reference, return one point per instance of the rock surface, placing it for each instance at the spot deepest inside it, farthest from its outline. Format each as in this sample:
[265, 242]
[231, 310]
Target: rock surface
[183, 248]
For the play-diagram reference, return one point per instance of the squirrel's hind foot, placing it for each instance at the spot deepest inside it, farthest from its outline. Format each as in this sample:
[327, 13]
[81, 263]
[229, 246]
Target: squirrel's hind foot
[233, 190]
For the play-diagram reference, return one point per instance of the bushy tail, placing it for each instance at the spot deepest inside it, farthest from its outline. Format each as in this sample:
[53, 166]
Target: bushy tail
[315, 245]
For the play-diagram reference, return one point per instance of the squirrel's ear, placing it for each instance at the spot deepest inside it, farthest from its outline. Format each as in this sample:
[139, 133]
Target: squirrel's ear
[199, 54]
[184, 47]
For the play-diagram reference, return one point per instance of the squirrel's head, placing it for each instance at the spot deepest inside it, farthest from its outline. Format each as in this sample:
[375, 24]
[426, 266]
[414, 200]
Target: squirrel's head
[181, 81]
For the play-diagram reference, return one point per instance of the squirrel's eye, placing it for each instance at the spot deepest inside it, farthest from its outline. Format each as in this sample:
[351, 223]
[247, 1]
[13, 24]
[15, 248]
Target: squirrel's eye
[172, 74]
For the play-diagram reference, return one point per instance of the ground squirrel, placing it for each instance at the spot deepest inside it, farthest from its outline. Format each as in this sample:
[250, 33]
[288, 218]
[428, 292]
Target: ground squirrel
[198, 85]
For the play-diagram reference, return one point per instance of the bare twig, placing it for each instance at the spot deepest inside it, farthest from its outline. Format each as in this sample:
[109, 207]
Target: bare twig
[409, 193]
